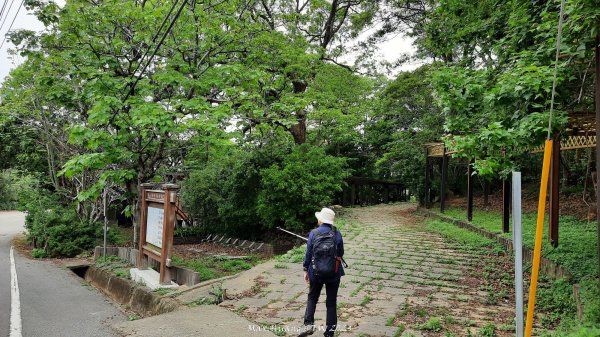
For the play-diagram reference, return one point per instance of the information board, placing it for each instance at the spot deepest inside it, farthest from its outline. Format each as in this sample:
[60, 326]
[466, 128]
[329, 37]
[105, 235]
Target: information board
[154, 231]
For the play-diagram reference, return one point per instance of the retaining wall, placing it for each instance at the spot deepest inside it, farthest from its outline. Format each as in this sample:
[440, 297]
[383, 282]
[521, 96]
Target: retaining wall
[126, 292]
[179, 275]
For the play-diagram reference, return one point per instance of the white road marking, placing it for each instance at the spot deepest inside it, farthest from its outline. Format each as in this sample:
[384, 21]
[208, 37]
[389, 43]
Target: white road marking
[15, 303]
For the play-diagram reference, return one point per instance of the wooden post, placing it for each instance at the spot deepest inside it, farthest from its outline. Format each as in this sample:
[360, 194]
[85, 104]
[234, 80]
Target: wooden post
[427, 179]
[169, 229]
[470, 191]
[505, 205]
[353, 194]
[443, 181]
[554, 192]
[142, 259]
[386, 196]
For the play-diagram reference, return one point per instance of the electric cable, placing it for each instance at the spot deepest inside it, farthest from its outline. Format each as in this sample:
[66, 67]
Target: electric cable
[11, 24]
[155, 36]
[6, 16]
[3, 8]
[558, 38]
[155, 50]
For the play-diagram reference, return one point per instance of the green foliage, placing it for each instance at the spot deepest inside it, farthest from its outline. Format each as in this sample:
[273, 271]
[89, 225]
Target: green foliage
[211, 267]
[223, 195]
[56, 229]
[404, 120]
[577, 251]
[307, 180]
[15, 188]
[432, 324]
[186, 232]
[38, 253]
[120, 237]
[488, 330]
[462, 236]
[494, 79]
[557, 299]
[293, 255]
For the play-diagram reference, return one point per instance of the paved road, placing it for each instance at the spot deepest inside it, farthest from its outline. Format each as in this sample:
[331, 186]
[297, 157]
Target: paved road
[53, 301]
[400, 276]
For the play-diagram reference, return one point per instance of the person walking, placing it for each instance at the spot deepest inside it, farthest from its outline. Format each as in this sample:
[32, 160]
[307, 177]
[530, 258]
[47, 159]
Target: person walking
[323, 267]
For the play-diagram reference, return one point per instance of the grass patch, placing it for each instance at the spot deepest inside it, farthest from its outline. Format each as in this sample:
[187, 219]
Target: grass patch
[577, 253]
[294, 255]
[399, 331]
[366, 300]
[217, 295]
[162, 291]
[461, 235]
[114, 265]
[212, 267]
[432, 324]
[488, 330]
[578, 241]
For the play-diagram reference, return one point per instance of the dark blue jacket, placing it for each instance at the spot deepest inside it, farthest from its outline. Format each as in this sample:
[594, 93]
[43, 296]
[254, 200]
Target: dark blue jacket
[324, 228]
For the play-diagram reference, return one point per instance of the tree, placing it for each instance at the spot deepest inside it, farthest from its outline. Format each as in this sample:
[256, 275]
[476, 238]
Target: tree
[494, 82]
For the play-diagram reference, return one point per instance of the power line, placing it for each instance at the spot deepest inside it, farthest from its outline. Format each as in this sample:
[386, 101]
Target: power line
[7, 12]
[11, 24]
[155, 36]
[155, 50]
[3, 8]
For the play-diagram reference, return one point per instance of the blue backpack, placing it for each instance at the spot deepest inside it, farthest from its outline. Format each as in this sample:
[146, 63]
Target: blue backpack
[325, 260]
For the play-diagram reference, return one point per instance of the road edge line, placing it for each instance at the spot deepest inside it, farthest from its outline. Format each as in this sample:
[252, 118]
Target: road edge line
[15, 303]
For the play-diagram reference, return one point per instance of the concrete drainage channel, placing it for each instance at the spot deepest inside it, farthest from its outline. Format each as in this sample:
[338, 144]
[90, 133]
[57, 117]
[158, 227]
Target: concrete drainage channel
[132, 296]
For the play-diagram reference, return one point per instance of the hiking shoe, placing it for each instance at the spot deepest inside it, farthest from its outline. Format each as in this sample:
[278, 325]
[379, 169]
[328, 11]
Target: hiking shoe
[306, 330]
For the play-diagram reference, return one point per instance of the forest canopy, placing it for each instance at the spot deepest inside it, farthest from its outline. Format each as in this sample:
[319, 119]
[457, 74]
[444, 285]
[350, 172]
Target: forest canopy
[266, 94]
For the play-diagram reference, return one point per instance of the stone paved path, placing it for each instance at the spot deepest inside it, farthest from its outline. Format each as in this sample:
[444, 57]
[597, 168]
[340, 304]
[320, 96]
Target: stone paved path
[400, 277]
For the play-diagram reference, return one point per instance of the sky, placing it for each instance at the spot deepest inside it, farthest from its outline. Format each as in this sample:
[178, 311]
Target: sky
[390, 50]
[25, 20]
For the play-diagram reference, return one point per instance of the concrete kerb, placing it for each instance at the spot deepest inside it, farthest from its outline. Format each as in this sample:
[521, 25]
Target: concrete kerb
[203, 284]
[126, 292]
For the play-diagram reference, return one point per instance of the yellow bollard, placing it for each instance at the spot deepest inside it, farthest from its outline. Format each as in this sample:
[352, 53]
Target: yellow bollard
[539, 231]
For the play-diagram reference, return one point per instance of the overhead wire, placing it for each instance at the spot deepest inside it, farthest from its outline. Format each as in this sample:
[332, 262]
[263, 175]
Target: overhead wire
[3, 8]
[12, 23]
[138, 77]
[7, 13]
[558, 38]
[156, 36]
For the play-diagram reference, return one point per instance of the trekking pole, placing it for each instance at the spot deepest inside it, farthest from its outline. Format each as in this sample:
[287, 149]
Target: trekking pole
[305, 239]
[294, 234]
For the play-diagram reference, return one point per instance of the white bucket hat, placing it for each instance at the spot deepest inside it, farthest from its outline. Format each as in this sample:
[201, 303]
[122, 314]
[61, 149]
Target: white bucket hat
[326, 215]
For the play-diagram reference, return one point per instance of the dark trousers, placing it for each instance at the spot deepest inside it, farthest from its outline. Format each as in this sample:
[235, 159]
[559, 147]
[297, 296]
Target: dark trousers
[331, 289]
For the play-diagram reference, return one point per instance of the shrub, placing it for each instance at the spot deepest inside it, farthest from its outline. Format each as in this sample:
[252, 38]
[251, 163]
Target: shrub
[292, 191]
[56, 230]
[223, 195]
[14, 187]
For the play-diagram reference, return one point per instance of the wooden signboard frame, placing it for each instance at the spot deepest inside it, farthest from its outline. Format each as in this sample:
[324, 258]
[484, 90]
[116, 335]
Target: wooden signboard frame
[160, 245]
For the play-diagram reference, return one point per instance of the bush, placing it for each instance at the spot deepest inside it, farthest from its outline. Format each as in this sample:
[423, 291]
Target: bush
[14, 187]
[223, 195]
[55, 230]
[291, 192]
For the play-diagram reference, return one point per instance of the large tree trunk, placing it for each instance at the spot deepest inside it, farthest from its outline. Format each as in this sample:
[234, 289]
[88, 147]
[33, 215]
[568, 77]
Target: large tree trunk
[298, 131]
